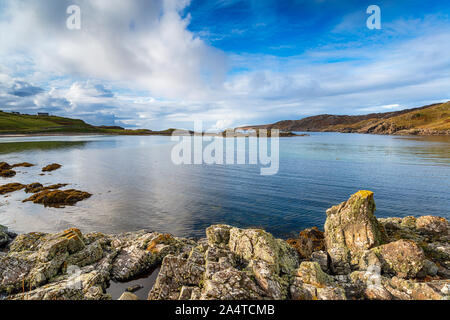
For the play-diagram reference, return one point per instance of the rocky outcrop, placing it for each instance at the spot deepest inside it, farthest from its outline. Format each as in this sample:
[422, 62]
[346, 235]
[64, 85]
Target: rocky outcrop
[363, 258]
[73, 266]
[350, 229]
[230, 263]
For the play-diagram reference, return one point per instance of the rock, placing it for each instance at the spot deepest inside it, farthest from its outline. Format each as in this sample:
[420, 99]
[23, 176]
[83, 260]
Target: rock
[5, 236]
[309, 241]
[430, 268]
[433, 225]
[51, 167]
[256, 244]
[134, 288]
[11, 187]
[4, 166]
[58, 198]
[311, 273]
[37, 187]
[231, 284]
[34, 187]
[312, 283]
[321, 257]
[175, 273]
[273, 285]
[218, 235]
[128, 296]
[7, 173]
[350, 229]
[399, 289]
[23, 164]
[140, 252]
[403, 258]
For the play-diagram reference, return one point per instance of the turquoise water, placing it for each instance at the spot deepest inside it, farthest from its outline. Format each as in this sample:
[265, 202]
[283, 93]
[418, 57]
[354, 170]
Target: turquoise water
[136, 185]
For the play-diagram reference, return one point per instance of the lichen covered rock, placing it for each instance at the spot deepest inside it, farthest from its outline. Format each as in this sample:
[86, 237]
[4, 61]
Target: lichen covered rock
[350, 229]
[403, 258]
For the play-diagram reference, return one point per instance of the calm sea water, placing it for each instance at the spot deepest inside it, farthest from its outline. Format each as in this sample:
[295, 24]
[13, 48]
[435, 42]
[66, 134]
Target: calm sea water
[136, 186]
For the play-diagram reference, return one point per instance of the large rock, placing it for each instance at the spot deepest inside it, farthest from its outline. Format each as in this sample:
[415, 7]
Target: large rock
[433, 225]
[350, 229]
[311, 283]
[230, 263]
[257, 244]
[139, 252]
[377, 287]
[403, 258]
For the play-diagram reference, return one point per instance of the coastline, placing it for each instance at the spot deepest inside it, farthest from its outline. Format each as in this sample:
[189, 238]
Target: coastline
[408, 258]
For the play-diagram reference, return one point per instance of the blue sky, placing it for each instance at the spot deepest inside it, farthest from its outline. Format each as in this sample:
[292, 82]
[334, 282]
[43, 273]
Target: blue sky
[165, 63]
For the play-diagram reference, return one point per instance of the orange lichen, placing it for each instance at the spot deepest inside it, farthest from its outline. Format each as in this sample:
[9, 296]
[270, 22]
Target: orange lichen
[364, 194]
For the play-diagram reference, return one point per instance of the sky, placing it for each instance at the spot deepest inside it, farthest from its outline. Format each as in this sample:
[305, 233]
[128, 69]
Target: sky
[161, 64]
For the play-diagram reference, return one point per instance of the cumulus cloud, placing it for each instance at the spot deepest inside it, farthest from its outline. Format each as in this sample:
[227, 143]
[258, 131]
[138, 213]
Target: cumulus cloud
[136, 63]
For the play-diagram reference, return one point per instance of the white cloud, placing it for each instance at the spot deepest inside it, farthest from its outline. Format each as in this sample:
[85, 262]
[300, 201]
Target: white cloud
[137, 63]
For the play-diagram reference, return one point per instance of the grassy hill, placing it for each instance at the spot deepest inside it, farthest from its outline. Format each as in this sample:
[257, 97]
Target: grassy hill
[30, 124]
[427, 120]
[12, 123]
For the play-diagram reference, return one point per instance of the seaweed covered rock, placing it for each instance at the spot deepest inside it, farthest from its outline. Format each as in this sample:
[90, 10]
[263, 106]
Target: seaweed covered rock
[58, 198]
[51, 167]
[308, 241]
[350, 229]
[38, 187]
[11, 187]
[23, 165]
[4, 166]
[7, 173]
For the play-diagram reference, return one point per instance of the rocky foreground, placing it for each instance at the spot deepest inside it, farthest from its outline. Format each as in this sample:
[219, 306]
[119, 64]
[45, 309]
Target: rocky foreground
[357, 257]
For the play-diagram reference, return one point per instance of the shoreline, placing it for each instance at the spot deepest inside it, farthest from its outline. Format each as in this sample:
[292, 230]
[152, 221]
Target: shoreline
[409, 256]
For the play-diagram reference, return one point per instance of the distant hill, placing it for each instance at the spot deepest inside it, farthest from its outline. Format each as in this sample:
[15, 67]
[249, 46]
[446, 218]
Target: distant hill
[11, 123]
[427, 120]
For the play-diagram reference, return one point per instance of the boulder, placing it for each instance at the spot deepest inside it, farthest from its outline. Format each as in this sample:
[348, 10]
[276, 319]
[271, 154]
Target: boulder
[350, 229]
[311, 283]
[51, 167]
[257, 244]
[433, 225]
[403, 258]
[140, 252]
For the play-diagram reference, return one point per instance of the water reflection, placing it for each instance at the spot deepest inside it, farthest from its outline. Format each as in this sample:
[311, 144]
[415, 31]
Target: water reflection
[15, 147]
[135, 185]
